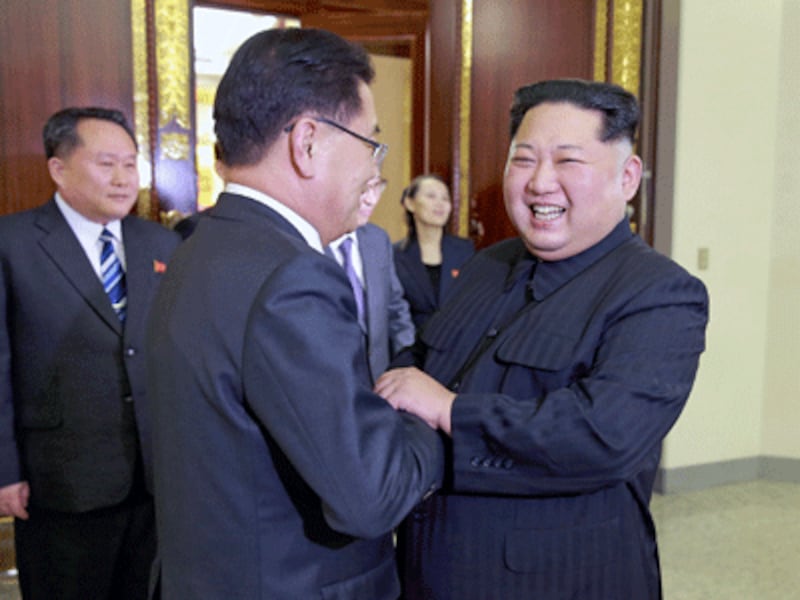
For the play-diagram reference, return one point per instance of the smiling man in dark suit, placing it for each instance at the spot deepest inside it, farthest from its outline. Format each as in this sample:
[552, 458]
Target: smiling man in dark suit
[279, 473]
[562, 360]
[76, 279]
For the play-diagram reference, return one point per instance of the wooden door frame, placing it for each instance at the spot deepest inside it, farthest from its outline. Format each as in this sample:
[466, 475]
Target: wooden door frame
[164, 82]
[626, 52]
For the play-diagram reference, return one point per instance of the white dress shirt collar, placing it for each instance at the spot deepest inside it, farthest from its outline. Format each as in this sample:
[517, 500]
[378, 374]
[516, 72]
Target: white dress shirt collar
[88, 234]
[355, 254]
[306, 229]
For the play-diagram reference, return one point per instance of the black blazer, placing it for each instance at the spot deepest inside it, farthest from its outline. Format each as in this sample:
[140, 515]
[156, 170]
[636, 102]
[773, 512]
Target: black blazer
[422, 298]
[72, 379]
[278, 473]
[557, 427]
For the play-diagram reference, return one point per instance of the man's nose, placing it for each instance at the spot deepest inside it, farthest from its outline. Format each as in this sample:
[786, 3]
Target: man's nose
[543, 178]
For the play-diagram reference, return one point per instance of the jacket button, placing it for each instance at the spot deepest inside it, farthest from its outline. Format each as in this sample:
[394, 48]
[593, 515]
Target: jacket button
[127, 399]
[130, 351]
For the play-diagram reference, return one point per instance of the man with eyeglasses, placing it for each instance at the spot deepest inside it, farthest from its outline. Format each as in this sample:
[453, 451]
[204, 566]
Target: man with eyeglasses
[278, 472]
[366, 255]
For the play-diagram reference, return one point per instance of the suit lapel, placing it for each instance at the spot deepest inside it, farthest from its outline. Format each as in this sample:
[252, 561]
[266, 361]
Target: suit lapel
[448, 266]
[421, 278]
[62, 247]
[372, 276]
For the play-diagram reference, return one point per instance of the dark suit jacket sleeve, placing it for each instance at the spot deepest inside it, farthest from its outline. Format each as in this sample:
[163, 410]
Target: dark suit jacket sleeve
[9, 459]
[617, 373]
[369, 464]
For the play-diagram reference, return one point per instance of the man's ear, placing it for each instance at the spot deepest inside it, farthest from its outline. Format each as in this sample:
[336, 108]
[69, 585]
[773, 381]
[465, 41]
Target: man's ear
[56, 168]
[631, 176]
[303, 142]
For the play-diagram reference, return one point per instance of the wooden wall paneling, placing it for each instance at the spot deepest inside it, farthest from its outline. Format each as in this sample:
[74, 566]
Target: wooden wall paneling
[644, 215]
[449, 105]
[442, 117]
[302, 8]
[29, 87]
[73, 52]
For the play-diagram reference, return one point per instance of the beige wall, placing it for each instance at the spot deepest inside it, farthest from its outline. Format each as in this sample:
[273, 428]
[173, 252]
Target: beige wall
[736, 193]
[392, 91]
[781, 419]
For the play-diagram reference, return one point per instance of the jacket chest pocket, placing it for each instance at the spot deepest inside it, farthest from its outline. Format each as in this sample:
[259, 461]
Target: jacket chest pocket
[534, 362]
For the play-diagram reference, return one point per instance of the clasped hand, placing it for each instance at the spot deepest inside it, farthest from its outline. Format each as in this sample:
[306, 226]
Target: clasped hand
[413, 391]
[14, 500]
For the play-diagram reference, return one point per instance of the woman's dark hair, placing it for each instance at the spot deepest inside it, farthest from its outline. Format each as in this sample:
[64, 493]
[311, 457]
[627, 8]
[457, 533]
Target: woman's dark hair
[60, 133]
[410, 192]
[618, 106]
[279, 74]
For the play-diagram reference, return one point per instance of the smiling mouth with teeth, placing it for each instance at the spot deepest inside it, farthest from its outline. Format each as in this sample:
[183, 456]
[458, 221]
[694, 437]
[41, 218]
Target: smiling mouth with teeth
[547, 213]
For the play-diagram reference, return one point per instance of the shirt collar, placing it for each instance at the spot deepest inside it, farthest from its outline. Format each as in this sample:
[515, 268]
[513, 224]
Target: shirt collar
[306, 229]
[550, 276]
[338, 241]
[85, 228]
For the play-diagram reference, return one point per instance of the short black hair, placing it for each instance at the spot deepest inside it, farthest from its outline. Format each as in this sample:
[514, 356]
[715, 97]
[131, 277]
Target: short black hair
[279, 74]
[60, 133]
[619, 108]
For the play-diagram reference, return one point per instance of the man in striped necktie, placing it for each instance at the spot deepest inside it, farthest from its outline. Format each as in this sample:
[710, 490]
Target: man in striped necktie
[77, 280]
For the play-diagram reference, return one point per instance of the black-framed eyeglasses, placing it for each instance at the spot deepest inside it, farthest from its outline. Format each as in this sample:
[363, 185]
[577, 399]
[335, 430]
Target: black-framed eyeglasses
[376, 185]
[378, 150]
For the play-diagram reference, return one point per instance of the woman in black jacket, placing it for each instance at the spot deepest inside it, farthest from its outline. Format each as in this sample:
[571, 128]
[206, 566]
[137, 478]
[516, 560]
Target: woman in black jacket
[428, 260]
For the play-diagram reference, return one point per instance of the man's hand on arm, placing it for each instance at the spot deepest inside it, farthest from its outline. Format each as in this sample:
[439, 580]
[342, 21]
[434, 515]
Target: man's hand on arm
[14, 500]
[413, 391]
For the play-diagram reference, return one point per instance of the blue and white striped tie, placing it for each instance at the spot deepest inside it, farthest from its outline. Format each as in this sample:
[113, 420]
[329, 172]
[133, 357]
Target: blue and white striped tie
[113, 275]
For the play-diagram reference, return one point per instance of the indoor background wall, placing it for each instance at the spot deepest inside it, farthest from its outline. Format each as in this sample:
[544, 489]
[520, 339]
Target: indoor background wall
[392, 91]
[55, 54]
[781, 420]
[735, 193]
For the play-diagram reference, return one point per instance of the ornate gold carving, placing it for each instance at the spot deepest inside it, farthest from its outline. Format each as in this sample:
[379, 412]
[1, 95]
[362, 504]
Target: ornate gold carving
[205, 95]
[172, 62]
[170, 218]
[600, 39]
[141, 100]
[175, 145]
[627, 44]
[208, 183]
[464, 117]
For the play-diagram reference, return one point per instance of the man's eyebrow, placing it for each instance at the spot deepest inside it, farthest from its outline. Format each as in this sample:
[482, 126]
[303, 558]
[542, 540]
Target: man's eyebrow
[105, 154]
[559, 147]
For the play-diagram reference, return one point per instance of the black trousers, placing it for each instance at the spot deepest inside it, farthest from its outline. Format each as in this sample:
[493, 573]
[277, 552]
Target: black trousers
[104, 554]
